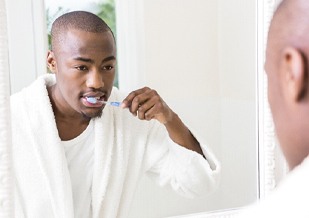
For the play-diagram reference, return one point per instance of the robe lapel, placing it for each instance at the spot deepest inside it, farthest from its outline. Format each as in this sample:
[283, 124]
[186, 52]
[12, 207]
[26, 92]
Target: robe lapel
[104, 142]
[49, 151]
[109, 172]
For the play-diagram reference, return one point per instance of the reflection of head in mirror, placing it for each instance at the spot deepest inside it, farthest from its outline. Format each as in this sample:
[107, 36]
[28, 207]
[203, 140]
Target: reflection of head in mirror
[76, 155]
[287, 71]
[287, 57]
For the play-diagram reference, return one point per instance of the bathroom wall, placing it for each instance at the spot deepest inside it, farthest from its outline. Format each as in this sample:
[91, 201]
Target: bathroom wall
[27, 44]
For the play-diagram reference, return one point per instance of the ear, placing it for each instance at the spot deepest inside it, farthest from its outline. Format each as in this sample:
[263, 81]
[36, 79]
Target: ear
[294, 73]
[51, 62]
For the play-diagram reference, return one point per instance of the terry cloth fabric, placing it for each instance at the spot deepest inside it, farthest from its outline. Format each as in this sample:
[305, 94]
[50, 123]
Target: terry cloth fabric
[289, 199]
[124, 149]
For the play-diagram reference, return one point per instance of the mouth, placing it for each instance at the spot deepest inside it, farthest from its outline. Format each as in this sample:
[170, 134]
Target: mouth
[93, 99]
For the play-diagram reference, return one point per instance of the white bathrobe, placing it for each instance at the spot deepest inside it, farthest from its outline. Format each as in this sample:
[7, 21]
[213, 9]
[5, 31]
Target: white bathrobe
[125, 148]
[290, 199]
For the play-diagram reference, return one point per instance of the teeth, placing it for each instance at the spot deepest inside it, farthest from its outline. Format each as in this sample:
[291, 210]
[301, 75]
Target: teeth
[92, 100]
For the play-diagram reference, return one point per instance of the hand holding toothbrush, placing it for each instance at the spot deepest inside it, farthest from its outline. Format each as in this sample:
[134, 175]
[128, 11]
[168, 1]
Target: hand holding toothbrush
[146, 104]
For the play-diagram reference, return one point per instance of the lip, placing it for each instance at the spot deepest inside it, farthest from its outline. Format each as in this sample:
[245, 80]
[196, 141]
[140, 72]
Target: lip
[88, 104]
[94, 94]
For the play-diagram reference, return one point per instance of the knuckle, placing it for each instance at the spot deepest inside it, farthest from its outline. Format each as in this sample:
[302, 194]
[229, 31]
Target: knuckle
[157, 98]
[147, 117]
[136, 99]
[140, 116]
[133, 93]
[160, 107]
[154, 92]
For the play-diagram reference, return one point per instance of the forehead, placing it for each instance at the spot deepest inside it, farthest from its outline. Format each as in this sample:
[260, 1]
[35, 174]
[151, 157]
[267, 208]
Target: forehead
[81, 42]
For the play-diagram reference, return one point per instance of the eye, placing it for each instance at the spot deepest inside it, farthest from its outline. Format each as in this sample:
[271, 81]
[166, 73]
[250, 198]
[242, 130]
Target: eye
[108, 68]
[81, 68]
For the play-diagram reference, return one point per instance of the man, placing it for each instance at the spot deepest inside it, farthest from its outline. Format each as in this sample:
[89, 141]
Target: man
[288, 73]
[75, 156]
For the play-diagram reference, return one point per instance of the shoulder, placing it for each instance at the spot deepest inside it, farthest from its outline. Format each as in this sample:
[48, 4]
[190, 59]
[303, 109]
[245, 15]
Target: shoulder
[40, 82]
[32, 92]
[289, 199]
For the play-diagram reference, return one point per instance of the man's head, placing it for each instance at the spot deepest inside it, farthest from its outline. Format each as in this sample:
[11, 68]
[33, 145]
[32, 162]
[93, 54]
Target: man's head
[83, 58]
[287, 70]
[80, 20]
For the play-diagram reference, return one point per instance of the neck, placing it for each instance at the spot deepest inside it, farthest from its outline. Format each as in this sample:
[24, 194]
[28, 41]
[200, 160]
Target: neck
[69, 124]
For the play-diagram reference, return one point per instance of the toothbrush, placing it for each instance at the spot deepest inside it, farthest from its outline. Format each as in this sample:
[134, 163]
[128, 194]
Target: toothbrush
[94, 100]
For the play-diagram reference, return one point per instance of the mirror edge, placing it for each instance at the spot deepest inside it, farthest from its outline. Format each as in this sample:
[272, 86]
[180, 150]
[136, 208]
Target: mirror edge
[6, 184]
[272, 165]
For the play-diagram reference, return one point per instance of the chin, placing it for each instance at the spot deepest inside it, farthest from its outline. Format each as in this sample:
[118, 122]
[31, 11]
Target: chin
[94, 114]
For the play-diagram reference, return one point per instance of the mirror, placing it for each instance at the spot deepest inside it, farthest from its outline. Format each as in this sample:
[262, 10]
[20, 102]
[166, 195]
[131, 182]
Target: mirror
[202, 57]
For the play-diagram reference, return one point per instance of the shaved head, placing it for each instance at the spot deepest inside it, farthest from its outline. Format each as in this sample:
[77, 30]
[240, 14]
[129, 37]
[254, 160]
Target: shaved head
[289, 26]
[287, 71]
[79, 20]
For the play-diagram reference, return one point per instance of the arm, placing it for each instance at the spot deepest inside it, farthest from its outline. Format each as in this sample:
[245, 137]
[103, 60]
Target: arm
[181, 135]
[146, 104]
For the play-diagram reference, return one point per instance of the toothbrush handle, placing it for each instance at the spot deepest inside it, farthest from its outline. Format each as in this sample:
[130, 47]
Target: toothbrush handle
[115, 103]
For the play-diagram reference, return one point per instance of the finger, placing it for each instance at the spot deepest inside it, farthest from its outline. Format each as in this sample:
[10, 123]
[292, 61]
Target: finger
[150, 114]
[153, 108]
[147, 101]
[144, 99]
[140, 115]
[145, 109]
[136, 104]
[128, 101]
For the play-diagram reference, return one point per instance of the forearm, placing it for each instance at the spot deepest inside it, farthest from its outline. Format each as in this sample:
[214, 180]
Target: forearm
[181, 135]
[146, 104]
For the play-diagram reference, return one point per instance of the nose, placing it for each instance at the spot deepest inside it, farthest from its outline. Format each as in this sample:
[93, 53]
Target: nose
[94, 80]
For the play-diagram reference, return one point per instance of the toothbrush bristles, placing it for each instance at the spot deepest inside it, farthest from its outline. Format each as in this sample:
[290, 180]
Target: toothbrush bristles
[94, 100]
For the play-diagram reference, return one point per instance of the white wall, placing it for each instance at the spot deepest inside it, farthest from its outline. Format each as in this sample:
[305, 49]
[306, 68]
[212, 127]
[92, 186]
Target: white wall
[27, 44]
[238, 72]
[201, 57]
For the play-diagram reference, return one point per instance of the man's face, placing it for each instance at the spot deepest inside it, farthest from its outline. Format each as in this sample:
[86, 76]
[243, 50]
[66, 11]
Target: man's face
[84, 64]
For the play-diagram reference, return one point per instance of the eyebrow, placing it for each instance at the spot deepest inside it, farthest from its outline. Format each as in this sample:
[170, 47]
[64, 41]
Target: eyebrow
[88, 60]
[109, 58]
